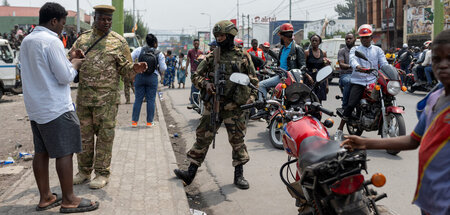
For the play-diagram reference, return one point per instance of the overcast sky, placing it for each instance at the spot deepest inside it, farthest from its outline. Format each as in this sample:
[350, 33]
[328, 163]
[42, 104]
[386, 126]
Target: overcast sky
[175, 15]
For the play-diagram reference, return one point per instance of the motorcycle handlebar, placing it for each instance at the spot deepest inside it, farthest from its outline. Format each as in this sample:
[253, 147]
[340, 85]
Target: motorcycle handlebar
[327, 112]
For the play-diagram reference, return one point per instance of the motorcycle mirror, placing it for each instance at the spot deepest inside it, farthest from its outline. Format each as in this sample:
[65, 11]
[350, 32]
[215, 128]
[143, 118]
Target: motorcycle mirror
[361, 55]
[323, 73]
[239, 78]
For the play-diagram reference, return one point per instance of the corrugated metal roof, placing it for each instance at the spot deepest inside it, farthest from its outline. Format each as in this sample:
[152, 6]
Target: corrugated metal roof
[31, 12]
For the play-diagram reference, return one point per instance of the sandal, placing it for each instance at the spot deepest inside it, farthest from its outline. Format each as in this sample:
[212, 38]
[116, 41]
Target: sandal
[84, 206]
[56, 203]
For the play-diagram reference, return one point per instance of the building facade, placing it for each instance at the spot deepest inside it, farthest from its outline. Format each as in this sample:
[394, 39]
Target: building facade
[27, 16]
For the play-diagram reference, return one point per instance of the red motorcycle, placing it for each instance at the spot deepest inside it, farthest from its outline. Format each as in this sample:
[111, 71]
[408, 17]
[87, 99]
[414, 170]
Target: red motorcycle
[328, 179]
[378, 109]
[289, 81]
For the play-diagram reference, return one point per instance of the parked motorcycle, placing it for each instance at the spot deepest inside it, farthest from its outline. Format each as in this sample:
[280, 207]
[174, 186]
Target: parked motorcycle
[328, 179]
[378, 109]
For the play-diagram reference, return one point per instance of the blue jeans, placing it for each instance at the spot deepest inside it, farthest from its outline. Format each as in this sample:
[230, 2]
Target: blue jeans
[145, 85]
[428, 74]
[263, 85]
[193, 90]
[344, 84]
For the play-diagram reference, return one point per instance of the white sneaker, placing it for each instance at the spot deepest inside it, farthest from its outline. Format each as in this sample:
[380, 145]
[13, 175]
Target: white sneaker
[339, 135]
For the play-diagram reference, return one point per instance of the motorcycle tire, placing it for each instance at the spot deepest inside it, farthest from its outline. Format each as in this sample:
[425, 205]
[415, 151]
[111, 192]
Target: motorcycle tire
[409, 85]
[273, 130]
[401, 129]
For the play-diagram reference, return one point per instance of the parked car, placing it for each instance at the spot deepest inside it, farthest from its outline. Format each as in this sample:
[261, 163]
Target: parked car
[9, 70]
[332, 47]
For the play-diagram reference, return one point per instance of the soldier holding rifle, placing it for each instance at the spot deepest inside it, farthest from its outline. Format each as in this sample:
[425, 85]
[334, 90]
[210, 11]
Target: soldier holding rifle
[223, 100]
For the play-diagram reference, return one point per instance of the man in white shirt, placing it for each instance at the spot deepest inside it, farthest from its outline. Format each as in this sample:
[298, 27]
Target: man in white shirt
[46, 75]
[426, 64]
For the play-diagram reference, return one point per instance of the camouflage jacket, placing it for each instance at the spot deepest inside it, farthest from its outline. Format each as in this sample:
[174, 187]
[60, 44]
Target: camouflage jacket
[104, 64]
[230, 58]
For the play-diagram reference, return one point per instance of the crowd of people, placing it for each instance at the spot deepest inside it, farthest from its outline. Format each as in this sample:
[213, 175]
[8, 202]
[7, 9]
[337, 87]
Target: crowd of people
[61, 128]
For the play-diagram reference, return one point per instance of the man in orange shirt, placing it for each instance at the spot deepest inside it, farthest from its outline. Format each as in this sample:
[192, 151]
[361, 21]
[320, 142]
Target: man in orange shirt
[255, 51]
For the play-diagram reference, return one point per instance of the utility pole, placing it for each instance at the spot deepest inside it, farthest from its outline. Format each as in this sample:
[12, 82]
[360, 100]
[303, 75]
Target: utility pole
[290, 11]
[237, 15]
[78, 16]
[248, 29]
[134, 16]
[243, 28]
[395, 24]
[117, 24]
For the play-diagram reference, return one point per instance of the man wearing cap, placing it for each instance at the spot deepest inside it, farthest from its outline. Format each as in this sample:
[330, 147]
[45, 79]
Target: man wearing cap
[269, 54]
[405, 57]
[291, 56]
[360, 80]
[98, 94]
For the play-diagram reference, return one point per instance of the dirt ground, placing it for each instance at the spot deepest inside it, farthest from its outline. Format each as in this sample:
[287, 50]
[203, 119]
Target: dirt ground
[193, 194]
[15, 136]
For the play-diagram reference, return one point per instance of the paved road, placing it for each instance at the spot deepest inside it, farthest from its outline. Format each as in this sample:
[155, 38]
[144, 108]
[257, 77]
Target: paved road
[267, 194]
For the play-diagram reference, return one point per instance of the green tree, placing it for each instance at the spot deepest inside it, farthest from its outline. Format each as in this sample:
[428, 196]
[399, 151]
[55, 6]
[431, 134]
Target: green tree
[142, 30]
[346, 10]
[5, 3]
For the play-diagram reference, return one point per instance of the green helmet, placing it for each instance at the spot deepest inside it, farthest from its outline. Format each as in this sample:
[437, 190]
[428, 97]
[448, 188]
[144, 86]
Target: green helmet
[225, 27]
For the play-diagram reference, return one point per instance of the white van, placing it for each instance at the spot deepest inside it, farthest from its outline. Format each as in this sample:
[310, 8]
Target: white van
[332, 47]
[132, 40]
[9, 70]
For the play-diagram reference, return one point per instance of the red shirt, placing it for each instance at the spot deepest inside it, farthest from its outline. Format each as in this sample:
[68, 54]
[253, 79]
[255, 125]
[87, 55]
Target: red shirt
[193, 55]
[258, 53]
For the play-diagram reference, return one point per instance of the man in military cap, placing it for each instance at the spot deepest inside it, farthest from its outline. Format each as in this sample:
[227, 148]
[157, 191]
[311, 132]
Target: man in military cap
[233, 60]
[98, 94]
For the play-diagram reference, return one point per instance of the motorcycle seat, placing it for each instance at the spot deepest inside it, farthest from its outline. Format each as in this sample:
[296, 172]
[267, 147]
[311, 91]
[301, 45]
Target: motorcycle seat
[316, 149]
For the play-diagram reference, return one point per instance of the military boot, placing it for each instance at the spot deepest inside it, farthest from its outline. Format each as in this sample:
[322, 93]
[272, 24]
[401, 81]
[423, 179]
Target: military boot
[80, 178]
[187, 176]
[239, 179]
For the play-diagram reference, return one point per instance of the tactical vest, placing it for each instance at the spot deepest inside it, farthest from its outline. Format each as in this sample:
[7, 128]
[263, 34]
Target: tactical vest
[234, 61]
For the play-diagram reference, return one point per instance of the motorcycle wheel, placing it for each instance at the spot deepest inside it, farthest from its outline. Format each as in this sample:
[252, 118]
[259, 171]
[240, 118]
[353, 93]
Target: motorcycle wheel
[353, 130]
[395, 121]
[276, 137]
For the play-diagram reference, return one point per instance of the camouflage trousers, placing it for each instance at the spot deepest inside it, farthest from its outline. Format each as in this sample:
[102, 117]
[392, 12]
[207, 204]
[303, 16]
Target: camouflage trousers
[234, 120]
[100, 122]
[126, 88]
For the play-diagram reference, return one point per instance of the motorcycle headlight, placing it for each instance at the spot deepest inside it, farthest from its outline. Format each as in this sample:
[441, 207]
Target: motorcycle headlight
[393, 87]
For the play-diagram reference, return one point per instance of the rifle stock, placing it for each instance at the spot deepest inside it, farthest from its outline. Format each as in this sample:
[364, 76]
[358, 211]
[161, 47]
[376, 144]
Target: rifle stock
[217, 94]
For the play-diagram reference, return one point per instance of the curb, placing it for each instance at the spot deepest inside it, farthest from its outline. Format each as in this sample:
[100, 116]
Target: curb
[178, 192]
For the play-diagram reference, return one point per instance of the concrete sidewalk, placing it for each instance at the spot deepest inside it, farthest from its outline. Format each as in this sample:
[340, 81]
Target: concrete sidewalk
[142, 181]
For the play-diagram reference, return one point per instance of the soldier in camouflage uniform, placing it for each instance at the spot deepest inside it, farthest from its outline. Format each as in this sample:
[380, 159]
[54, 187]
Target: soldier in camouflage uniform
[127, 84]
[98, 94]
[235, 60]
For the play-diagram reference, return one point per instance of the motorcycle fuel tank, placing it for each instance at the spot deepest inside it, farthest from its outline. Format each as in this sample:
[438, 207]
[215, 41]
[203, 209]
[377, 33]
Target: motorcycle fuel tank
[298, 130]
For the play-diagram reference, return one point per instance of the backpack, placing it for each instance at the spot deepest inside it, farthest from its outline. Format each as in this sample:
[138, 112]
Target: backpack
[150, 56]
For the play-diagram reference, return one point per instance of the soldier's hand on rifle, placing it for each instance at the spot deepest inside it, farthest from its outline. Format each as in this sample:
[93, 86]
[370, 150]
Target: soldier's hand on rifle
[140, 67]
[210, 89]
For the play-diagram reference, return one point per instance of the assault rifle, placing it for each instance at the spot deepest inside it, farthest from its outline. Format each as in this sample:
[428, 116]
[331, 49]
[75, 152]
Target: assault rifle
[219, 82]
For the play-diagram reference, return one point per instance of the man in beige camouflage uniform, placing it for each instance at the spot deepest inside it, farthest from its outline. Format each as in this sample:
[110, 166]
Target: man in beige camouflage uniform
[98, 94]
[127, 84]
[234, 60]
